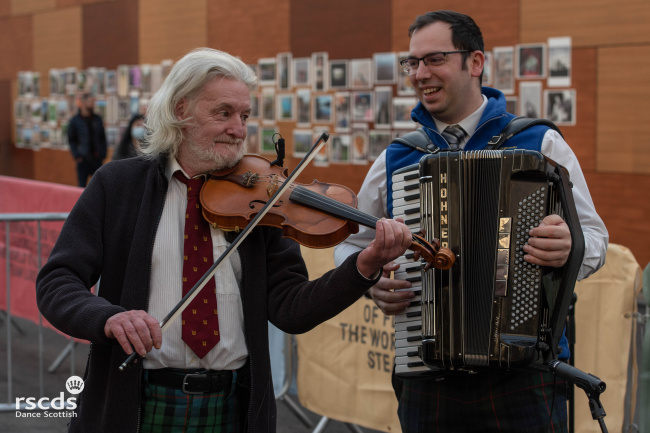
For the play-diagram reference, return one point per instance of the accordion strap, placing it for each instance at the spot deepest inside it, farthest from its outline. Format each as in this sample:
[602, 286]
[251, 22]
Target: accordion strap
[419, 140]
[515, 126]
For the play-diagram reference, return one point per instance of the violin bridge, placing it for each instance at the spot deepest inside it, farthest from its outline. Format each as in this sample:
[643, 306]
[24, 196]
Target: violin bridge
[273, 185]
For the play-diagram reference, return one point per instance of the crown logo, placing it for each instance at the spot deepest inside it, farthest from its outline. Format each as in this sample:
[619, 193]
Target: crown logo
[74, 385]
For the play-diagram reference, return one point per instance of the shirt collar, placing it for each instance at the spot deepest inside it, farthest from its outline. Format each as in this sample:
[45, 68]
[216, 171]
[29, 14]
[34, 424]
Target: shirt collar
[173, 166]
[469, 123]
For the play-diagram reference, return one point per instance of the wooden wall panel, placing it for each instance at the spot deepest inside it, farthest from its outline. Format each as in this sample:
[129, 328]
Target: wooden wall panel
[588, 22]
[5, 8]
[57, 41]
[622, 202]
[19, 7]
[55, 166]
[103, 25]
[261, 29]
[16, 45]
[498, 24]
[170, 28]
[344, 29]
[623, 107]
[582, 136]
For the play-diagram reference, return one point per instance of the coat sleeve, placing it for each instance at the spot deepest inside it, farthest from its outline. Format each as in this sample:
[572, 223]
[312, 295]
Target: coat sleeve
[296, 304]
[63, 286]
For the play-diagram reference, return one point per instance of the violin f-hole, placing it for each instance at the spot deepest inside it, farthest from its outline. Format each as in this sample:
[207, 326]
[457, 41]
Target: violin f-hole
[252, 203]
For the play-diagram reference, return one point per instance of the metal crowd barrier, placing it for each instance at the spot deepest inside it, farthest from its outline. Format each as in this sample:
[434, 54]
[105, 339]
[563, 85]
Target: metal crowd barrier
[8, 219]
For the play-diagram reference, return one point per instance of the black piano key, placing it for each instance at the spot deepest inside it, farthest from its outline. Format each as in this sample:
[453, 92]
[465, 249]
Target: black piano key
[412, 353]
[412, 211]
[415, 364]
[414, 314]
[414, 338]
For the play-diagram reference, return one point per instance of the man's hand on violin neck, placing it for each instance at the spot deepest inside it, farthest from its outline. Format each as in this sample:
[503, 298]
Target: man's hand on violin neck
[392, 238]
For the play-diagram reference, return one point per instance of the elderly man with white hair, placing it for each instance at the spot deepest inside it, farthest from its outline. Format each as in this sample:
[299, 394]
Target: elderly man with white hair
[136, 227]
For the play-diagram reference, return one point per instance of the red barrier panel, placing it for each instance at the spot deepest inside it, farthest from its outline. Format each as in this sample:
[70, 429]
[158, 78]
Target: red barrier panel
[29, 196]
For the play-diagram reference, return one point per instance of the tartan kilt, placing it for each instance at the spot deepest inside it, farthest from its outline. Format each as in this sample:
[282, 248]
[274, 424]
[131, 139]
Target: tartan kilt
[168, 410]
[489, 401]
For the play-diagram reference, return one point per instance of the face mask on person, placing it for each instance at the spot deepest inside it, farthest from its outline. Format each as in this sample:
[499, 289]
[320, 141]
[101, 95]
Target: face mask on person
[137, 132]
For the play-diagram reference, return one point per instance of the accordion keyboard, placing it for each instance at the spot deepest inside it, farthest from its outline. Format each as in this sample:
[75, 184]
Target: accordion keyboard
[408, 326]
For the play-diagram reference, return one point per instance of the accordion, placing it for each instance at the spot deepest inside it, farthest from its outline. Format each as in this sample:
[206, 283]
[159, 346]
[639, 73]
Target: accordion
[492, 308]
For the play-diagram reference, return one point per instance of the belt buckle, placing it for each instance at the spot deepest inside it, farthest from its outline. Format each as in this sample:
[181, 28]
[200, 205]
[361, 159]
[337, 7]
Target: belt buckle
[204, 376]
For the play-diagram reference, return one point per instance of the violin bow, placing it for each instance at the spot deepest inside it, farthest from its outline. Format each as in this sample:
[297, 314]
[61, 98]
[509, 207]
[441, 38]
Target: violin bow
[194, 291]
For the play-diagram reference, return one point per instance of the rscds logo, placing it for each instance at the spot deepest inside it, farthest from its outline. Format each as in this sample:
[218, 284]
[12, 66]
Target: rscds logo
[31, 406]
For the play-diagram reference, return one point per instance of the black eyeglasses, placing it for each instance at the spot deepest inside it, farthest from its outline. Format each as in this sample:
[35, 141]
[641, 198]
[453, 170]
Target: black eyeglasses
[410, 65]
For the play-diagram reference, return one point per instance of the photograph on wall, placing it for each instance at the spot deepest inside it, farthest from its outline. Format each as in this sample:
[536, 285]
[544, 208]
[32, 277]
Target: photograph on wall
[359, 143]
[382, 108]
[319, 71]
[284, 71]
[402, 106]
[255, 105]
[560, 106]
[559, 62]
[487, 69]
[266, 139]
[268, 105]
[322, 109]
[385, 68]
[511, 105]
[135, 77]
[340, 149]
[252, 137]
[361, 73]
[301, 71]
[504, 73]
[530, 99]
[156, 77]
[285, 110]
[267, 72]
[362, 106]
[342, 110]
[302, 142]
[404, 84]
[110, 86]
[145, 79]
[378, 141]
[303, 107]
[122, 81]
[339, 74]
[531, 61]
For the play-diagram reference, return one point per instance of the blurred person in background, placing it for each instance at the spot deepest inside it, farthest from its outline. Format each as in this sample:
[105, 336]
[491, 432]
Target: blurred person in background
[87, 139]
[131, 142]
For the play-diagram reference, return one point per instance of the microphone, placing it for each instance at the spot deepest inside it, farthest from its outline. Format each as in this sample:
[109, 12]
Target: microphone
[588, 382]
[279, 150]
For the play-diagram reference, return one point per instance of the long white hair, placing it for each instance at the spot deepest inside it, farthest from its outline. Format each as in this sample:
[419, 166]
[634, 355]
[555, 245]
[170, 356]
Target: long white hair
[185, 81]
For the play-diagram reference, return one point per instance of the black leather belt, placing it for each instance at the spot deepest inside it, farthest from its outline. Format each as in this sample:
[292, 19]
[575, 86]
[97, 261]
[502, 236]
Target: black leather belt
[192, 381]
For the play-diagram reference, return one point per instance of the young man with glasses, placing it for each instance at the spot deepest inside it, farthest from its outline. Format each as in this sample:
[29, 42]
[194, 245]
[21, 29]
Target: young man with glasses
[445, 65]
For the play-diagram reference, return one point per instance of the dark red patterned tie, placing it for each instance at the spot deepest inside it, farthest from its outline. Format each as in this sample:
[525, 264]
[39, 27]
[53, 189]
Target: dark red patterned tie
[200, 321]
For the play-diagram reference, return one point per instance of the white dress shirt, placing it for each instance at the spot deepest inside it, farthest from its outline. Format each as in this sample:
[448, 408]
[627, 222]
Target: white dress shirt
[372, 198]
[167, 288]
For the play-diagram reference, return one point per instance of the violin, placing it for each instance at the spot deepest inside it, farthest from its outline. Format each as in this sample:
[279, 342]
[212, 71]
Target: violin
[316, 215]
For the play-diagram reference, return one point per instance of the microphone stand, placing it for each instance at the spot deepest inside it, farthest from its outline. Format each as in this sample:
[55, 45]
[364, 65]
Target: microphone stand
[589, 383]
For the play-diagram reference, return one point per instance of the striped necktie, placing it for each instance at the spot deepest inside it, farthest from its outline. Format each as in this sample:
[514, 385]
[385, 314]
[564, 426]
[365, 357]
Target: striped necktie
[454, 135]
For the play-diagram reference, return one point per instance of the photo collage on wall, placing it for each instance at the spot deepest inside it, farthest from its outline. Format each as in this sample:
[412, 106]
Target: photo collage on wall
[41, 122]
[522, 69]
[362, 103]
